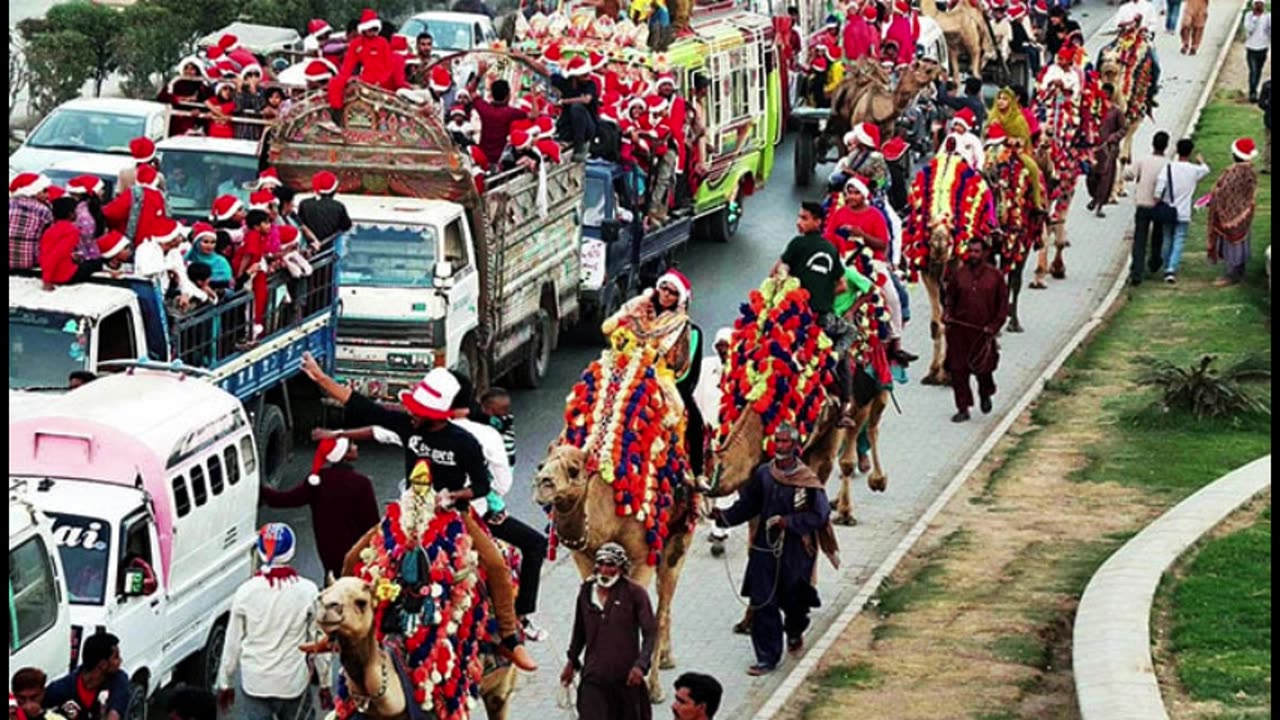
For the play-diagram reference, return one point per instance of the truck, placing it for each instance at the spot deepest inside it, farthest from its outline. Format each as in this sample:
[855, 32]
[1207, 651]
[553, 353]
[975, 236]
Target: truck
[150, 481]
[619, 255]
[39, 615]
[109, 323]
[437, 272]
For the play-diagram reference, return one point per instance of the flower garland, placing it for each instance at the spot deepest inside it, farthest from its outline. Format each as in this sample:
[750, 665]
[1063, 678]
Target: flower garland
[780, 363]
[870, 315]
[625, 413]
[946, 187]
[1013, 208]
[427, 582]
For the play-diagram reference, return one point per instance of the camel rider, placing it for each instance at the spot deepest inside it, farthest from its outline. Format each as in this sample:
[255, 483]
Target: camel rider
[1140, 16]
[661, 316]
[863, 158]
[968, 145]
[816, 263]
[455, 463]
[824, 75]
[1062, 76]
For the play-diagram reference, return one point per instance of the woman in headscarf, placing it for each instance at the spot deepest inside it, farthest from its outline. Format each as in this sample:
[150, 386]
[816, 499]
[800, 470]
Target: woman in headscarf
[1007, 113]
[204, 248]
[1231, 213]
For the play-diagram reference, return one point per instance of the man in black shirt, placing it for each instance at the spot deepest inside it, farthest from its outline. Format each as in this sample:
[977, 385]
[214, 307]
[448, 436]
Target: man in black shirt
[1061, 27]
[457, 466]
[323, 216]
[579, 105]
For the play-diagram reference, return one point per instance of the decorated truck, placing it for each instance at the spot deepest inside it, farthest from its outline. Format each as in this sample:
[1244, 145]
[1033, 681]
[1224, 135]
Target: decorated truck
[438, 272]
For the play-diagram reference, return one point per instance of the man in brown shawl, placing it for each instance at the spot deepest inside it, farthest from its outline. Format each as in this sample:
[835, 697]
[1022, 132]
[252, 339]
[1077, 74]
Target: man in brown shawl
[976, 307]
[1102, 177]
[1231, 213]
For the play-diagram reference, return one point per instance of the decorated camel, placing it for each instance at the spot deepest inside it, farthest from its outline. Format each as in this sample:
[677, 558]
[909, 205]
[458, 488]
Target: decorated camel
[949, 204]
[1019, 193]
[869, 94]
[1128, 65]
[618, 474]
[411, 621]
[965, 28]
[1070, 128]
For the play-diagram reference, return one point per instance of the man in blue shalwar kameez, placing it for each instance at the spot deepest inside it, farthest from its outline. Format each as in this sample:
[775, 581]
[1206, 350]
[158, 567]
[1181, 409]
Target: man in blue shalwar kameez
[791, 504]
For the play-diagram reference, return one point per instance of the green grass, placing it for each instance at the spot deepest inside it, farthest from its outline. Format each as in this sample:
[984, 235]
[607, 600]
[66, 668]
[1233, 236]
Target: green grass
[925, 584]
[856, 676]
[1221, 617]
[1026, 650]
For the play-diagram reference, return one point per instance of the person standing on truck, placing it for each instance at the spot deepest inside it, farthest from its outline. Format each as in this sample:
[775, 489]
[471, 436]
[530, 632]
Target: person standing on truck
[98, 689]
[342, 501]
[29, 216]
[249, 265]
[579, 103]
[496, 117]
[458, 472]
[26, 695]
[272, 614]
[323, 216]
[137, 211]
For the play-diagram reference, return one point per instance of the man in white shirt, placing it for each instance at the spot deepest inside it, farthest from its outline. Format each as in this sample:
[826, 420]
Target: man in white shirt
[1142, 11]
[1146, 231]
[1257, 43]
[1177, 186]
[1062, 76]
[272, 614]
[707, 397]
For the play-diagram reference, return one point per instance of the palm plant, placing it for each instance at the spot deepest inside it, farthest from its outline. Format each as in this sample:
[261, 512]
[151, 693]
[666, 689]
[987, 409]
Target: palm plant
[1204, 392]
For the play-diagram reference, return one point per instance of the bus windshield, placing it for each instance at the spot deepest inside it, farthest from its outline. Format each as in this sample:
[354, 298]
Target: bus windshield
[45, 348]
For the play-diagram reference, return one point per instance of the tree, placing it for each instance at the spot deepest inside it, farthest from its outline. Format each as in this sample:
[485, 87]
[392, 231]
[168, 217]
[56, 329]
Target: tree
[19, 71]
[60, 63]
[203, 16]
[99, 25]
[149, 47]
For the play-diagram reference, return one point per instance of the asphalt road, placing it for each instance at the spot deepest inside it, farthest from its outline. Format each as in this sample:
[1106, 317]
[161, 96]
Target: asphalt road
[922, 450]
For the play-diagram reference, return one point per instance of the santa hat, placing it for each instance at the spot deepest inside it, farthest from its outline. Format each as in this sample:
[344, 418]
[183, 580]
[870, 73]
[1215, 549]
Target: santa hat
[228, 42]
[458, 110]
[996, 134]
[112, 244]
[1244, 149]
[225, 70]
[521, 139]
[324, 183]
[870, 13]
[148, 177]
[29, 185]
[368, 21]
[56, 192]
[597, 59]
[276, 544]
[523, 103]
[859, 183]
[546, 126]
[142, 149]
[895, 149]
[677, 280]
[665, 78]
[1068, 53]
[261, 199]
[479, 160]
[214, 53]
[432, 398]
[831, 23]
[965, 118]
[902, 7]
[317, 28]
[85, 185]
[1017, 11]
[832, 52]
[318, 71]
[1041, 7]
[637, 102]
[554, 53]
[329, 451]
[190, 60]
[269, 178]
[868, 134]
[202, 229]
[549, 149]
[819, 64]
[441, 79]
[656, 104]
[250, 68]
[578, 66]
[400, 44]
[609, 114]
[226, 206]
[166, 230]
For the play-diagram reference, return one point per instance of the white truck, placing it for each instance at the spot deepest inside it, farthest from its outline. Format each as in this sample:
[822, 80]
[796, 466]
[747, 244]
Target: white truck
[151, 481]
[39, 616]
[198, 169]
[451, 32]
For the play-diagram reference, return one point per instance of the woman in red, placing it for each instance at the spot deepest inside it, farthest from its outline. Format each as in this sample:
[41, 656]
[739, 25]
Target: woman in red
[222, 107]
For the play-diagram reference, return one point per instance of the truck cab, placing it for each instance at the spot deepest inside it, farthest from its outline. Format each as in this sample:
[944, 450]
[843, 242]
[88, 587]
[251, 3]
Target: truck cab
[198, 169]
[39, 616]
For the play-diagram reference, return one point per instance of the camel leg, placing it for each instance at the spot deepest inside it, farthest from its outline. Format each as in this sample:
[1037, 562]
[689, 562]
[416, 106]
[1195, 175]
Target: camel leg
[933, 285]
[1015, 290]
[848, 466]
[668, 577]
[878, 481]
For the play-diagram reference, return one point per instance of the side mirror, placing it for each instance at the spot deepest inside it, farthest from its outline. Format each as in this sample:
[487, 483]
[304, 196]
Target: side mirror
[442, 273]
[610, 231]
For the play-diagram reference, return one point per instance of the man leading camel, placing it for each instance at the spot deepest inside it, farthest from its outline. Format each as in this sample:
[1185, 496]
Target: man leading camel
[458, 472]
[977, 306]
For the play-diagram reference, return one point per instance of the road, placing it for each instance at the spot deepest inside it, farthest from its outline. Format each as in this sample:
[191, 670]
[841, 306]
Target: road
[922, 450]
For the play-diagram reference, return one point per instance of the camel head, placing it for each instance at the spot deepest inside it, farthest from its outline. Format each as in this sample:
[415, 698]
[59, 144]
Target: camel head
[347, 609]
[562, 479]
[734, 460]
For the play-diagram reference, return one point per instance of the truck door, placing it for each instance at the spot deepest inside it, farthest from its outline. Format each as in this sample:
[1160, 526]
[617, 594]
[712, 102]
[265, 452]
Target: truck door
[139, 617]
[462, 313]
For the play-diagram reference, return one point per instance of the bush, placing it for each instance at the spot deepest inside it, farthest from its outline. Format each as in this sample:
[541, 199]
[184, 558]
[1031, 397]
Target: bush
[1203, 392]
[60, 64]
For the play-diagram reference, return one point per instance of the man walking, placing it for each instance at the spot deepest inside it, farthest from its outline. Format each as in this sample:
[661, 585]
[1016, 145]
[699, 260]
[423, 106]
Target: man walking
[697, 697]
[1177, 186]
[1257, 43]
[272, 614]
[976, 306]
[791, 504]
[1147, 233]
[614, 633]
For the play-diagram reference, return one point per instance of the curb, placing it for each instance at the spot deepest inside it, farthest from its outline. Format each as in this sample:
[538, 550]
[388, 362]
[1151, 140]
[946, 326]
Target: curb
[1114, 673]
[807, 665]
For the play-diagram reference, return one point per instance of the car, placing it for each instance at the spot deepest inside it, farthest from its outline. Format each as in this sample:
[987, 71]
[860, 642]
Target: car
[90, 126]
[452, 31]
[104, 167]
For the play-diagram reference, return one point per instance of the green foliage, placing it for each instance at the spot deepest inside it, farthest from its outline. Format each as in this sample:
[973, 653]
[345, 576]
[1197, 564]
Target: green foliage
[19, 71]
[858, 675]
[1203, 392]
[150, 45]
[99, 25]
[60, 64]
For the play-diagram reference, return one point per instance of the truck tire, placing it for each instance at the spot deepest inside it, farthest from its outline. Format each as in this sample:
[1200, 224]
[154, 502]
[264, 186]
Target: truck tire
[273, 441]
[720, 229]
[804, 158]
[203, 670]
[533, 370]
[137, 699]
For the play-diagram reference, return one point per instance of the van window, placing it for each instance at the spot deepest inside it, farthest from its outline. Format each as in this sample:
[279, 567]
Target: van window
[181, 497]
[246, 450]
[33, 596]
[115, 337]
[455, 250]
[198, 488]
[233, 464]
[135, 545]
[84, 544]
[215, 474]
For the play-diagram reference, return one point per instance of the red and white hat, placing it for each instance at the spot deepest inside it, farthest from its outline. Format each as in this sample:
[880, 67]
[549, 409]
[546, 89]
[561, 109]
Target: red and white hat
[832, 52]
[317, 28]
[549, 149]
[637, 102]
[202, 229]
[369, 21]
[656, 104]
[1067, 52]
[521, 138]
[226, 206]
[1017, 11]
[479, 161]
[142, 149]
[867, 134]
[441, 79]
[319, 70]
[870, 13]
[29, 185]
[546, 126]
[148, 176]
[966, 118]
[667, 79]
[458, 110]
[85, 185]
[190, 61]
[859, 183]
[167, 230]
[251, 68]
[895, 149]
[56, 192]
[261, 200]
[996, 134]
[554, 53]
[578, 67]
[112, 244]
[1041, 7]
[433, 397]
[399, 44]
[269, 178]
[597, 59]
[214, 53]
[329, 451]
[609, 114]
[902, 7]
[324, 183]
[679, 281]
[820, 64]
[1244, 149]
[228, 42]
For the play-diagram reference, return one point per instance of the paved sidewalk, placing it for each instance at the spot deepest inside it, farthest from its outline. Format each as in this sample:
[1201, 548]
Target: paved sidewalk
[1114, 673]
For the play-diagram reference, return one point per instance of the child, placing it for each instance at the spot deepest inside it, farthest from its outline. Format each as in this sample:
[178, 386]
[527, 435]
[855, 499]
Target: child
[204, 251]
[199, 288]
[250, 266]
[222, 107]
[284, 244]
[58, 265]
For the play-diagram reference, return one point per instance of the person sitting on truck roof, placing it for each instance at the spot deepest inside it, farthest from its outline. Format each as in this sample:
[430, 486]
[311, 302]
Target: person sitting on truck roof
[455, 462]
[115, 250]
[29, 217]
[96, 690]
[26, 695]
[369, 51]
[579, 103]
[137, 211]
[323, 215]
[520, 151]
[58, 262]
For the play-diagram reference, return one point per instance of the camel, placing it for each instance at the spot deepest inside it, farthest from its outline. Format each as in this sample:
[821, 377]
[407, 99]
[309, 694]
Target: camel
[867, 94]
[1131, 78]
[348, 612]
[940, 260]
[866, 416]
[965, 28]
[585, 518]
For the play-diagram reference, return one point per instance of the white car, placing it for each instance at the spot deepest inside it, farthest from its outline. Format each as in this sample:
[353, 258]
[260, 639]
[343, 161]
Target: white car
[452, 31]
[93, 132]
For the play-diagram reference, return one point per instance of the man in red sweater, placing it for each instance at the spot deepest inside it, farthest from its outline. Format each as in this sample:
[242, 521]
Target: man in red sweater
[370, 51]
[136, 211]
[58, 264]
[496, 118]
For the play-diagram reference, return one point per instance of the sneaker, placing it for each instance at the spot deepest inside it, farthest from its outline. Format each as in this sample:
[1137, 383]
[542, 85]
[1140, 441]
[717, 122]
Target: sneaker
[534, 633]
[760, 670]
[1171, 279]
